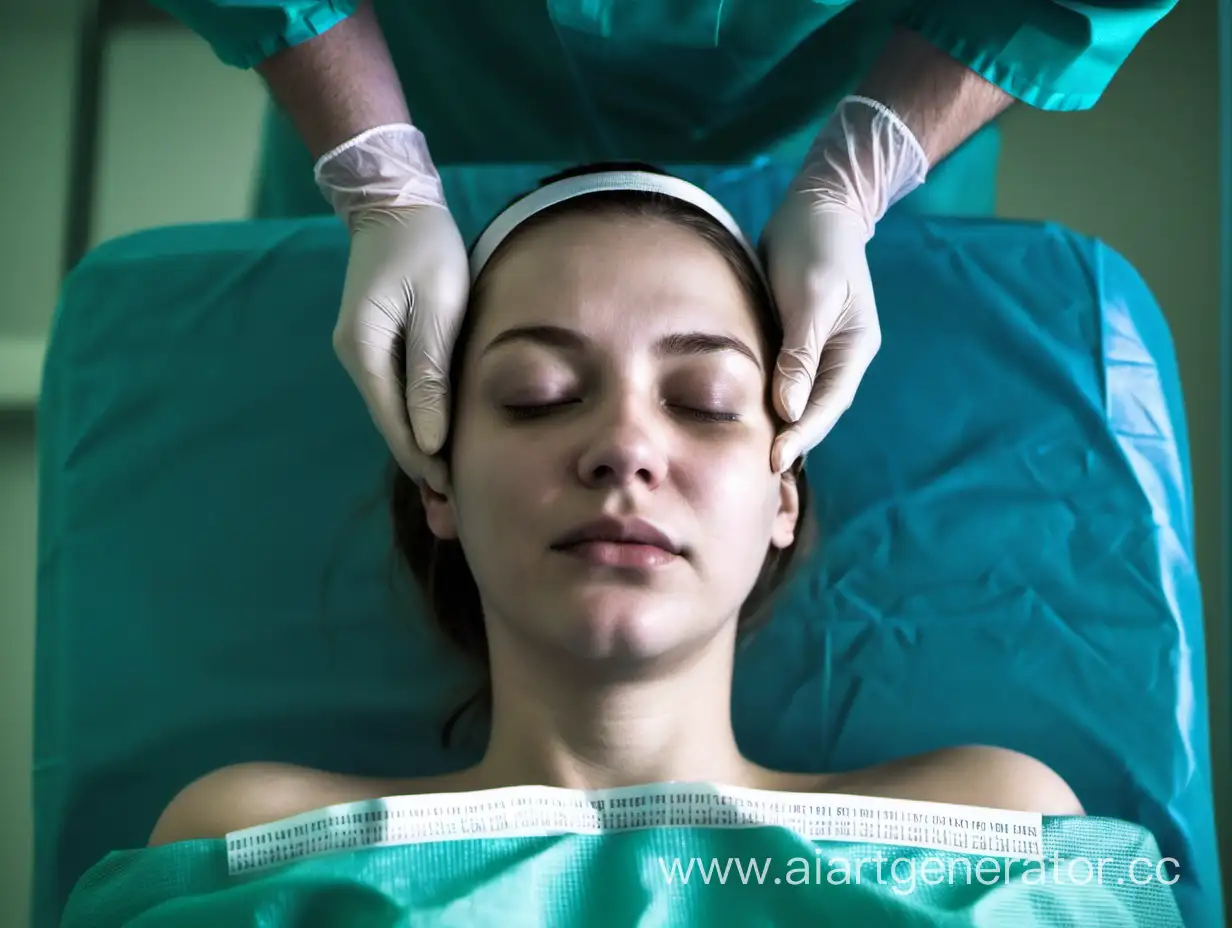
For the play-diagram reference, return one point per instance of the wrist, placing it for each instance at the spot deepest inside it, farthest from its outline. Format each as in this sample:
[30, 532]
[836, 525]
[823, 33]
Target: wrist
[864, 160]
[385, 167]
[942, 100]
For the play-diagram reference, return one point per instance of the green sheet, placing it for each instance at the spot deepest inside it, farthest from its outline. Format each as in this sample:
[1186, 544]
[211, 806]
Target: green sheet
[660, 855]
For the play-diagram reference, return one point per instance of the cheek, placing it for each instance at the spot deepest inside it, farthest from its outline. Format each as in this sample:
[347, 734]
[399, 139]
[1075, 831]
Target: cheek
[502, 484]
[733, 493]
[735, 499]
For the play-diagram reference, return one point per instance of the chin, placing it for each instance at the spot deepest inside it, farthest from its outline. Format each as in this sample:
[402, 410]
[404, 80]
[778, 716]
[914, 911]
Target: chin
[629, 629]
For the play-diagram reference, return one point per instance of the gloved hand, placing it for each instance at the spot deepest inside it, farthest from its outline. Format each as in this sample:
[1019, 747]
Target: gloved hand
[408, 278]
[863, 161]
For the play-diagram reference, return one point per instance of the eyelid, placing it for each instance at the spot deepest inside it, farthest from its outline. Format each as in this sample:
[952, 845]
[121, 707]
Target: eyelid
[528, 383]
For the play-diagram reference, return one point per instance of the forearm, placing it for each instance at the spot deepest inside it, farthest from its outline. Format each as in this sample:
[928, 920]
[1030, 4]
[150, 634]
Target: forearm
[339, 84]
[942, 101]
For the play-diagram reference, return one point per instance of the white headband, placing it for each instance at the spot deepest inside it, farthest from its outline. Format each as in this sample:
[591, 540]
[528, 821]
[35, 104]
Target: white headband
[570, 187]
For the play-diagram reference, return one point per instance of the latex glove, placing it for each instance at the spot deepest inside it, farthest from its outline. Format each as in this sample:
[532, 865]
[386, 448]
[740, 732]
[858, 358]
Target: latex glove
[407, 282]
[863, 161]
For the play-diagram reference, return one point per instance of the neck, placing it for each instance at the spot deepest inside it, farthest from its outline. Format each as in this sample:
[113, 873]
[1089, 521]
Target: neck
[585, 727]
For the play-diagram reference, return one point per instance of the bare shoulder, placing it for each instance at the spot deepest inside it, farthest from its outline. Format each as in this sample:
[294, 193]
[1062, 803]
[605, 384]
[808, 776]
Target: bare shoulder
[240, 796]
[988, 777]
[1003, 779]
[243, 795]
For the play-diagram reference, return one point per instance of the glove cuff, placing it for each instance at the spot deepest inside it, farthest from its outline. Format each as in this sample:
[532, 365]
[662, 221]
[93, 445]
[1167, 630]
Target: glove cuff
[384, 167]
[864, 160]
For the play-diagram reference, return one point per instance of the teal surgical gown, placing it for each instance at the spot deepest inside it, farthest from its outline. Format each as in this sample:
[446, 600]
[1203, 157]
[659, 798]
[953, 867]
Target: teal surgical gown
[552, 83]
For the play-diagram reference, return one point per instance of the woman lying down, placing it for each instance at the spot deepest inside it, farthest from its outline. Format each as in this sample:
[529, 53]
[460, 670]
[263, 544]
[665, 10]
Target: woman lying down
[611, 526]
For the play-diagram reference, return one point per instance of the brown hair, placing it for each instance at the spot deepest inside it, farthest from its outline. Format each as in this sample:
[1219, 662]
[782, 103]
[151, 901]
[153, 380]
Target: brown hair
[440, 567]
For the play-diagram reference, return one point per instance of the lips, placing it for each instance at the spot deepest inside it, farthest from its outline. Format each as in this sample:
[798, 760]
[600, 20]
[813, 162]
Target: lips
[617, 531]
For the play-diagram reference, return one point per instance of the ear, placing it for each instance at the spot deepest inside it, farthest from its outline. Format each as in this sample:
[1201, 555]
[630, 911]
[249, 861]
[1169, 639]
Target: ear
[439, 512]
[783, 532]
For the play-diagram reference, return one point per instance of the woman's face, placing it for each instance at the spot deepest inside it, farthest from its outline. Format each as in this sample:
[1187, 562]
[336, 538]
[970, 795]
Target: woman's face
[610, 481]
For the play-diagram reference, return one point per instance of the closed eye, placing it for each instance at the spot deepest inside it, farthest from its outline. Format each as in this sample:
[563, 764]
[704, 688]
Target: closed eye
[706, 415]
[537, 410]
[528, 411]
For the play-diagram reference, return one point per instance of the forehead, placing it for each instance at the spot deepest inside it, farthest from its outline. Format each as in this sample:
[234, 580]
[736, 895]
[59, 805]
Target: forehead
[614, 276]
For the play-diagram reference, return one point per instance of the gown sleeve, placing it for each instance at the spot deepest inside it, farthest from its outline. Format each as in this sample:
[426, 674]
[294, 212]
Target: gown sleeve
[1050, 54]
[243, 33]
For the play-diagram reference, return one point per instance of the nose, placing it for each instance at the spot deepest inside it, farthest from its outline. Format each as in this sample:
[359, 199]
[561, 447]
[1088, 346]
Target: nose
[623, 449]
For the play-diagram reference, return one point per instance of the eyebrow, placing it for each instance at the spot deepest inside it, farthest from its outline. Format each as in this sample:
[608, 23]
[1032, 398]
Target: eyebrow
[674, 345]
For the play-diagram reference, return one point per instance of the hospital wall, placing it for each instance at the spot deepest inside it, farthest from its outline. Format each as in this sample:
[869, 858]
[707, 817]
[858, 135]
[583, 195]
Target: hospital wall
[179, 136]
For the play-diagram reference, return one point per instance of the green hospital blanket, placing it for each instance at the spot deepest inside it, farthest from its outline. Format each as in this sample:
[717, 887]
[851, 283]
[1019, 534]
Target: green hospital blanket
[662, 855]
